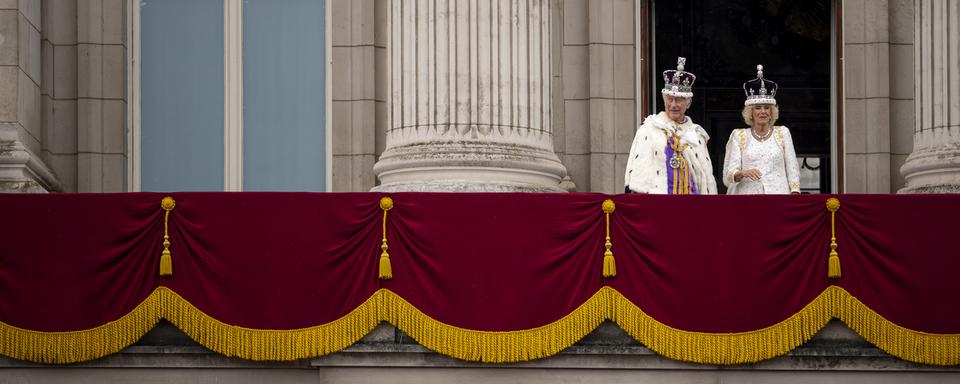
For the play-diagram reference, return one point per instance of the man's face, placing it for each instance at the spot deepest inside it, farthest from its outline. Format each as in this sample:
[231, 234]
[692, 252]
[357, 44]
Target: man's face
[676, 107]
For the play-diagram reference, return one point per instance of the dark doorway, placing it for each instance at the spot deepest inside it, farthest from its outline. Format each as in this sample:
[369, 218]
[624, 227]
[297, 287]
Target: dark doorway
[723, 42]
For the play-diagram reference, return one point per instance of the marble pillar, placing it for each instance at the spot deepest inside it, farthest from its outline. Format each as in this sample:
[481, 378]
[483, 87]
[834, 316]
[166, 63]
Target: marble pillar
[934, 164]
[21, 108]
[469, 98]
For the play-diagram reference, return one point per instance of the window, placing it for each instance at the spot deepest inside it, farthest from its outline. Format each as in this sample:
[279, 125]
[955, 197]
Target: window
[232, 95]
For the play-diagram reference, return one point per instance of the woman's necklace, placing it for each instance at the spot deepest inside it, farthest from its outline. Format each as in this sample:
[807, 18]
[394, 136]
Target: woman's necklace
[761, 138]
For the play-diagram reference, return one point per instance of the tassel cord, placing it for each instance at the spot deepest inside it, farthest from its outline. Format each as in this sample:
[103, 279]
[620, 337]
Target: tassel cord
[166, 262]
[833, 261]
[385, 269]
[609, 263]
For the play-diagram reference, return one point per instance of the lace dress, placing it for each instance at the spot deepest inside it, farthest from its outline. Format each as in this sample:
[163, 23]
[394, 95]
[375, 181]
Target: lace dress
[774, 157]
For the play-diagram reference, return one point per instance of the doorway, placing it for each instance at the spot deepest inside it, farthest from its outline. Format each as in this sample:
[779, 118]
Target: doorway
[723, 42]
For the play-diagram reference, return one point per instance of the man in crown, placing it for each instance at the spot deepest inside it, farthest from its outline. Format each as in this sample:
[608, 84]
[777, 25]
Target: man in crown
[669, 154]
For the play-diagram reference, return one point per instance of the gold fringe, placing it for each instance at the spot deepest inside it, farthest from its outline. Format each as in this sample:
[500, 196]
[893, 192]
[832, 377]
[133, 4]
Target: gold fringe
[269, 344]
[907, 344]
[722, 348]
[88, 344]
[496, 347]
[492, 347]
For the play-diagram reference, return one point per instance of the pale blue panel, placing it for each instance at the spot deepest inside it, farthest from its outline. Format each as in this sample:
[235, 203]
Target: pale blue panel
[284, 95]
[181, 73]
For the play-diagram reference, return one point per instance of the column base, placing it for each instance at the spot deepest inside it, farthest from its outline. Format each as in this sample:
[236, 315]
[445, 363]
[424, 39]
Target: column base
[933, 170]
[22, 171]
[460, 166]
[461, 186]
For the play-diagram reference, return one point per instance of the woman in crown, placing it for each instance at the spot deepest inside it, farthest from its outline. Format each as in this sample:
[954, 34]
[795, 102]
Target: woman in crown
[760, 159]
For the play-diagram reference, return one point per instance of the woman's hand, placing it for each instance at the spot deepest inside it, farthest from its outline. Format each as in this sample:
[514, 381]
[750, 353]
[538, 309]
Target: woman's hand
[752, 174]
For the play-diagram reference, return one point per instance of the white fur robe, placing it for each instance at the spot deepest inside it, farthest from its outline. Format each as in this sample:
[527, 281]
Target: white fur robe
[647, 165]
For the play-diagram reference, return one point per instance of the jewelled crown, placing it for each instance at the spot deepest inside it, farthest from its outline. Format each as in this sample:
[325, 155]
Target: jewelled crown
[760, 90]
[678, 82]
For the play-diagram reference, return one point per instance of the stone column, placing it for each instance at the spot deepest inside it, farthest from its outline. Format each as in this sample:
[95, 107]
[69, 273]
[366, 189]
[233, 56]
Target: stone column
[934, 164]
[469, 98]
[21, 129]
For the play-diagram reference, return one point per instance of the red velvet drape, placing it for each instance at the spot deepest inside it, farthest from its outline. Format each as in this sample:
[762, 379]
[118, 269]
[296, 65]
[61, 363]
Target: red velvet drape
[491, 262]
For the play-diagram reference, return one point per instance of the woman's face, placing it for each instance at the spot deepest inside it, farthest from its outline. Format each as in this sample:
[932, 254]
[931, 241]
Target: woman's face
[762, 114]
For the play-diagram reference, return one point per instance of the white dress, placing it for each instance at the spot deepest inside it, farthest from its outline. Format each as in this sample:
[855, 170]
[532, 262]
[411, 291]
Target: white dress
[773, 157]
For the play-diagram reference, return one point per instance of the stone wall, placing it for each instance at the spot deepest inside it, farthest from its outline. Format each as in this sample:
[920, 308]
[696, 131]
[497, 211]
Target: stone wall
[358, 97]
[59, 94]
[878, 93]
[596, 85]
[21, 105]
[63, 94]
[902, 73]
[101, 94]
[64, 91]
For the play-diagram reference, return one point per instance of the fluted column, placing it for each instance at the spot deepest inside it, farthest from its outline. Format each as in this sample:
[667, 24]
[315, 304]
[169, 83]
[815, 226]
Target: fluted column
[22, 100]
[469, 97]
[934, 164]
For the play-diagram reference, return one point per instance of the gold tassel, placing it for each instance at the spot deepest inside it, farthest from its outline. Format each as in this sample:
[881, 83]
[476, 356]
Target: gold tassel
[833, 268]
[609, 263]
[386, 271]
[833, 265]
[166, 262]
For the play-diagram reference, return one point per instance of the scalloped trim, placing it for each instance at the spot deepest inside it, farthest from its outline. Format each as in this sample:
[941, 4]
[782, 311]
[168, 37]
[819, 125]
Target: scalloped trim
[485, 346]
